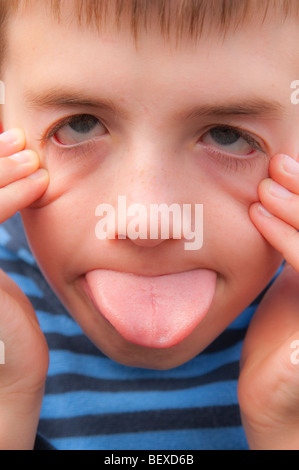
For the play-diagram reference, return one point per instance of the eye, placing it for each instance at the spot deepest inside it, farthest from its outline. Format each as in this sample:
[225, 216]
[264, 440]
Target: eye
[77, 130]
[231, 140]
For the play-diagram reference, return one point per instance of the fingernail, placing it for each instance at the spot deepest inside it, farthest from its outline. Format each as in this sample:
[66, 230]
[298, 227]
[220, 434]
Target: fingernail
[11, 137]
[290, 165]
[279, 191]
[39, 174]
[264, 211]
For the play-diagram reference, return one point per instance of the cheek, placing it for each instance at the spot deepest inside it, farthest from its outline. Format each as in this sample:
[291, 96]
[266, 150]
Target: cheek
[237, 179]
[64, 218]
[61, 225]
[235, 245]
[67, 172]
[62, 239]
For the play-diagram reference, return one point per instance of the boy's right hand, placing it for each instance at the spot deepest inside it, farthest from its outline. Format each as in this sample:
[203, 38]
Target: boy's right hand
[23, 375]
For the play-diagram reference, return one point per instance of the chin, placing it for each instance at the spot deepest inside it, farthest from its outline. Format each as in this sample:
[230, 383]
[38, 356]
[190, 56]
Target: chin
[132, 355]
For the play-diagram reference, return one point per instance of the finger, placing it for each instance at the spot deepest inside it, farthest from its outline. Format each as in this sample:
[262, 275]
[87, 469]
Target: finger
[280, 202]
[17, 166]
[280, 234]
[12, 141]
[22, 193]
[285, 171]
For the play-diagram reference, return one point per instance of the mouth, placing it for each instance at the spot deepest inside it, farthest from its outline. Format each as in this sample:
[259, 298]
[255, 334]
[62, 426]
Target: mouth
[152, 311]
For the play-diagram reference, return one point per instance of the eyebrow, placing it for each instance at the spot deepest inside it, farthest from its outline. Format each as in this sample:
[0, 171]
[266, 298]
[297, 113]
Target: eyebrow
[246, 106]
[255, 106]
[63, 97]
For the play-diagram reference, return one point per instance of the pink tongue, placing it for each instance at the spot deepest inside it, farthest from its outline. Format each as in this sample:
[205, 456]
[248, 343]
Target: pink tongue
[156, 312]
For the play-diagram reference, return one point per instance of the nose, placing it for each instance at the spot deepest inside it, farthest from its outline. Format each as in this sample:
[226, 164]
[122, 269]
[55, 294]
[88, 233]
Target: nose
[149, 204]
[148, 225]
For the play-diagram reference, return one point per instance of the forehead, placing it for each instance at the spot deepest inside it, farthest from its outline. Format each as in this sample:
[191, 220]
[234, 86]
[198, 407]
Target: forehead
[35, 26]
[248, 61]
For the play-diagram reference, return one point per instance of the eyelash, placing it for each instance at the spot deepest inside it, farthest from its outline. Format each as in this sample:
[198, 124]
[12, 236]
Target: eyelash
[234, 162]
[81, 151]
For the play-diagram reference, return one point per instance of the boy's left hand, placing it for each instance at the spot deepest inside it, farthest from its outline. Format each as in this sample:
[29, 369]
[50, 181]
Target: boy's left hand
[269, 380]
[277, 216]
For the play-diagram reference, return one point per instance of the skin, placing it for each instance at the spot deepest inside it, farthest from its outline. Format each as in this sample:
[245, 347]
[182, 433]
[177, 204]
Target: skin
[154, 156]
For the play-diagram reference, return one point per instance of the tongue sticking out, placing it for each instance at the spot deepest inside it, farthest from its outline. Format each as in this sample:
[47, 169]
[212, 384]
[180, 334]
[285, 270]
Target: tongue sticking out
[155, 312]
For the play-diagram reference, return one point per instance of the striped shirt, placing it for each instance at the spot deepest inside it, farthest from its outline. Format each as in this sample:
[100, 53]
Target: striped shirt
[92, 402]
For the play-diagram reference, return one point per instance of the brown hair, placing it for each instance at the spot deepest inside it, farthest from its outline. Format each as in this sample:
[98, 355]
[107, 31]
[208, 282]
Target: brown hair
[187, 17]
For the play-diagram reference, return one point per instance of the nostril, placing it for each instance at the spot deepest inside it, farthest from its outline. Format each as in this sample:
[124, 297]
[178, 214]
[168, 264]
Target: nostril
[147, 243]
[119, 236]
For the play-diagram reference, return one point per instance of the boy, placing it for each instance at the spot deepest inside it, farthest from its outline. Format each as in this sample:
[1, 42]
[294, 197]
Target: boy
[192, 108]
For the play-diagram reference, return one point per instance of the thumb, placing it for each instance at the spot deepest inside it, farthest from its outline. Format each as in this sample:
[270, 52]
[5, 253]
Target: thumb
[23, 346]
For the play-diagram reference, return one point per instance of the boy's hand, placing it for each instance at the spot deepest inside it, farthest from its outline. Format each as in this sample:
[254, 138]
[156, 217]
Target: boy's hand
[21, 182]
[277, 217]
[23, 374]
[269, 380]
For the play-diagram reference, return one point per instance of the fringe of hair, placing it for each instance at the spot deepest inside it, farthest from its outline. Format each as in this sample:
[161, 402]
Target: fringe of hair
[186, 18]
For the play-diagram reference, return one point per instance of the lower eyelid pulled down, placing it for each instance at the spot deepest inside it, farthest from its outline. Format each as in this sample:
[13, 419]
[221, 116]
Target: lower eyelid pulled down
[235, 160]
[80, 151]
[55, 142]
[58, 126]
[230, 162]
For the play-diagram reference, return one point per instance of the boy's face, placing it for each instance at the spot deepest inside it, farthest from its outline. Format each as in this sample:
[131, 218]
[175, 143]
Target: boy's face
[155, 150]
